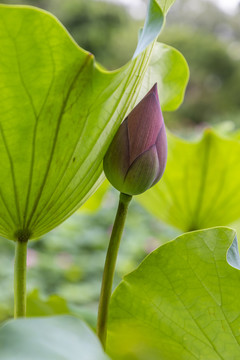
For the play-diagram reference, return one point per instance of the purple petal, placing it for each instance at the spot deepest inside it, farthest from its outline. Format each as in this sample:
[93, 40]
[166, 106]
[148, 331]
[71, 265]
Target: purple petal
[161, 146]
[116, 160]
[144, 124]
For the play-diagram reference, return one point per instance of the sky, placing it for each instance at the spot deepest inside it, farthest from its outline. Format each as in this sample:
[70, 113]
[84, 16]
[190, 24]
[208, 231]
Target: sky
[138, 8]
[227, 5]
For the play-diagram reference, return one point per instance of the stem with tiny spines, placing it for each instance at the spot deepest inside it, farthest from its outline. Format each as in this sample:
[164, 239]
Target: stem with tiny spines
[20, 272]
[109, 266]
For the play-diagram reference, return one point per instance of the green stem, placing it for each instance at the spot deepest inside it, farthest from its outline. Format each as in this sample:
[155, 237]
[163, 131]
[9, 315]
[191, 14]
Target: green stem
[20, 270]
[109, 266]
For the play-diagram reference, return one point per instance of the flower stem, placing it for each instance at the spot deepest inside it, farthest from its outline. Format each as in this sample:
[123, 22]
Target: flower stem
[109, 266]
[20, 269]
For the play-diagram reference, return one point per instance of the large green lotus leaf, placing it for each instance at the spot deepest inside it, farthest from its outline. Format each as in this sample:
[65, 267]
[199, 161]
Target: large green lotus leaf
[95, 201]
[200, 187]
[53, 338]
[58, 113]
[181, 303]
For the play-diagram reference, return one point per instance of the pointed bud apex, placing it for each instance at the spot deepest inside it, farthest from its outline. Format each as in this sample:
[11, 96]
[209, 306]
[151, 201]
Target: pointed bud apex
[136, 158]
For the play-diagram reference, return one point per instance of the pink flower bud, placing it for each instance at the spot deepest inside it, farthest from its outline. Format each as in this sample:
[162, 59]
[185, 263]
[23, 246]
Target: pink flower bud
[136, 158]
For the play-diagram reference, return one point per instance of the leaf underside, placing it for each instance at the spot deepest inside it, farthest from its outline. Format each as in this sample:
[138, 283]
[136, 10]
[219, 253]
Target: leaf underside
[58, 113]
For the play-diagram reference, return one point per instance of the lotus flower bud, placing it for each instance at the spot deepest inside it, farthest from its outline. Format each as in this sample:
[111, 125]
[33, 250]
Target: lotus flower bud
[136, 158]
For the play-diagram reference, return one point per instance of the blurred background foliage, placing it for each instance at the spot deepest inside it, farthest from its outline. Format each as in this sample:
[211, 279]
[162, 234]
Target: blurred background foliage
[69, 260]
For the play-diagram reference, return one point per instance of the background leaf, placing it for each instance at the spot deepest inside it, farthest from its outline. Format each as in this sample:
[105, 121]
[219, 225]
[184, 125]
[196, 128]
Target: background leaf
[53, 305]
[49, 339]
[182, 303]
[59, 112]
[199, 188]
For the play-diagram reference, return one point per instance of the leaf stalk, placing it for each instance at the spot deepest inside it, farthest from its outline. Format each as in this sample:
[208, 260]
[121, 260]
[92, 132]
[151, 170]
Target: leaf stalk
[109, 267]
[20, 272]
